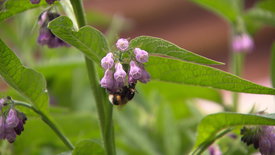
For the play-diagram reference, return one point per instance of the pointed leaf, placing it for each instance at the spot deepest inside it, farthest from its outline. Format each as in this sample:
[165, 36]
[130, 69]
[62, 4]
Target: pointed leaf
[157, 46]
[177, 71]
[12, 7]
[88, 39]
[212, 124]
[26, 81]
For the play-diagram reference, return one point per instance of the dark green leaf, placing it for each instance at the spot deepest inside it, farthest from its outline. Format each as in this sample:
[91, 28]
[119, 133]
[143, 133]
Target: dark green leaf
[229, 9]
[273, 66]
[26, 81]
[177, 71]
[88, 39]
[261, 16]
[12, 7]
[266, 5]
[157, 46]
[212, 124]
[88, 147]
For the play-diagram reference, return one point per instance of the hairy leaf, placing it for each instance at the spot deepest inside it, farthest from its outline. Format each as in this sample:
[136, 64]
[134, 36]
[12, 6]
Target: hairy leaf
[157, 46]
[177, 71]
[88, 39]
[229, 9]
[26, 81]
[212, 124]
[12, 7]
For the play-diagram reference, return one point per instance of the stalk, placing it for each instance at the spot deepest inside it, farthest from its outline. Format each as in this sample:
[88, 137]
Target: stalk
[104, 108]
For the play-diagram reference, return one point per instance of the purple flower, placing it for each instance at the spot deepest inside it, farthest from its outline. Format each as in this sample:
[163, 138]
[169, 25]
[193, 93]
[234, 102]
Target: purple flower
[141, 55]
[122, 44]
[45, 36]
[145, 77]
[2, 127]
[119, 75]
[108, 80]
[107, 62]
[10, 135]
[12, 119]
[50, 1]
[214, 150]
[35, 1]
[135, 71]
[2, 101]
[43, 18]
[267, 140]
[242, 43]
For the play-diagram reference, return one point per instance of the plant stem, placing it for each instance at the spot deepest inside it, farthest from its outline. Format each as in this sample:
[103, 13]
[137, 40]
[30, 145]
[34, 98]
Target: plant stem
[104, 109]
[48, 121]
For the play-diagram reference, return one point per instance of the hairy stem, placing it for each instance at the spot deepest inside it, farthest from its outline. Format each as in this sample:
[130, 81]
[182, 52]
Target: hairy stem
[104, 109]
[49, 122]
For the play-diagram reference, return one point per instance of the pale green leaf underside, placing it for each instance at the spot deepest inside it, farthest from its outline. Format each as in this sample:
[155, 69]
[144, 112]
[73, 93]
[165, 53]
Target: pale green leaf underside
[88, 40]
[214, 123]
[26, 81]
[229, 9]
[12, 7]
[162, 47]
[178, 71]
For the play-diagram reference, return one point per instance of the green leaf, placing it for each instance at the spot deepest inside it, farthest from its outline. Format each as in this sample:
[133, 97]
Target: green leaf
[228, 9]
[273, 65]
[88, 147]
[88, 39]
[159, 47]
[181, 72]
[26, 81]
[261, 16]
[266, 5]
[12, 7]
[213, 124]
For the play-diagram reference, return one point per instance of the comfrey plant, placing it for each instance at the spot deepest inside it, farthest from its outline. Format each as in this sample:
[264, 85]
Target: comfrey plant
[11, 121]
[125, 64]
[119, 84]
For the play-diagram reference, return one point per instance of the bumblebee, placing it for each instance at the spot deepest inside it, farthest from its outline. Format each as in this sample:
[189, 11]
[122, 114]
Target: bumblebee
[123, 96]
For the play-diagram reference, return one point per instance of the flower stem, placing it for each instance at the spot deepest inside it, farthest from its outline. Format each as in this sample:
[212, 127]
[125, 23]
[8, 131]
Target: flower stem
[104, 109]
[49, 122]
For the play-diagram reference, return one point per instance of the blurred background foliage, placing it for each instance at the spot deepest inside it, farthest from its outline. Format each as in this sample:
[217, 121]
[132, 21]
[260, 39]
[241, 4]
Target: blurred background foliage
[161, 120]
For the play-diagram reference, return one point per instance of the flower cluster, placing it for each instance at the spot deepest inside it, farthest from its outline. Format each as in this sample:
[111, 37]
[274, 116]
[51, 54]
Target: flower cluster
[242, 43]
[121, 72]
[46, 37]
[262, 137]
[38, 1]
[11, 123]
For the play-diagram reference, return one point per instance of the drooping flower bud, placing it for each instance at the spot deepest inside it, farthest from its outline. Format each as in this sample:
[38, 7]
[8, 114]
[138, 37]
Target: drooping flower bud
[141, 55]
[10, 134]
[12, 119]
[214, 150]
[145, 76]
[135, 71]
[22, 120]
[242, 43]
[108, 80]
[43, 17]
[50, 1]
[119, 75]
[107, 62]
[122, 44]
[35, 1]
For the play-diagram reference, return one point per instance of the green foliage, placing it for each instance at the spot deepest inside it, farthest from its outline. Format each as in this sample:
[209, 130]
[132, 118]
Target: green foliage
[229, 9]
[26, 81]
[261, 16]
[88, 39]
[13, 7]
[160, 47]
[212, 124]
[88, 147]
[177, 71]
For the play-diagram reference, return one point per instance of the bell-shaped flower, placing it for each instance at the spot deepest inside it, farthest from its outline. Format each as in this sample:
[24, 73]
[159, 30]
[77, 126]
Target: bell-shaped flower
[35, 1]
[145, 76]
[141, 55]
[135, 71]
[107, 62]
[119, 75]
[122, 44]
[2, 127]
[12, 119]
[108, 80]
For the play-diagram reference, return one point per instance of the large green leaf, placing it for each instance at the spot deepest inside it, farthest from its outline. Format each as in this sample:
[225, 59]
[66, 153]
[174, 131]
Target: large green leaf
[273, 65]
[212, 124]
[88, 39]
[26, 81]
[229, 9]
[178, 71]
[12, 7]
[261, 16]
[88, 147]
[157, 46]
